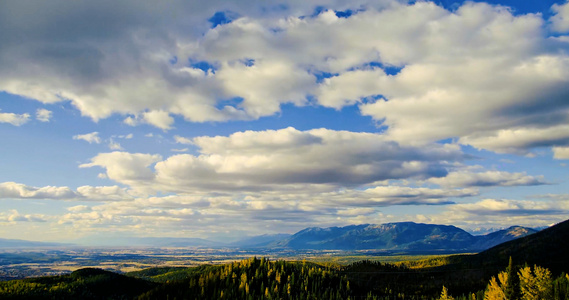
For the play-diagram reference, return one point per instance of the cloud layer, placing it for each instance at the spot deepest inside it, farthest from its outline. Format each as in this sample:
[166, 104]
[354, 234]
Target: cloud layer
[503, 76]
[280, 159]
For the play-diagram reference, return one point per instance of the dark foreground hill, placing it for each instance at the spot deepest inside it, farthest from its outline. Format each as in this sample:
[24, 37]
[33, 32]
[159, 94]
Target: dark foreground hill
[548, 248]
[85, 283]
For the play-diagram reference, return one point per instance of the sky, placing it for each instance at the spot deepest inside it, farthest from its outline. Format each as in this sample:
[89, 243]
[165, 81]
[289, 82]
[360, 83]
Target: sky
[227, 119]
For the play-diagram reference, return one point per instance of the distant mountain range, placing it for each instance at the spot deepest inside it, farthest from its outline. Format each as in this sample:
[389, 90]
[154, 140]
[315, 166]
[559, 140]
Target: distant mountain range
[402, 236]
[12, 243]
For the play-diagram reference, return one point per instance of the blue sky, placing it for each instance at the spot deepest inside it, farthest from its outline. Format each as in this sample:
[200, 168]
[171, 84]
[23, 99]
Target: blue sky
[222, 120]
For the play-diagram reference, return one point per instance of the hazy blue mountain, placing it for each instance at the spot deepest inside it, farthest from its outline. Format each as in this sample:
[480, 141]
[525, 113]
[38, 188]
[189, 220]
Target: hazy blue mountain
[11, 243]
[407, 236]
[501, 236]
[165, 242]
[402, 236]
[260, 241]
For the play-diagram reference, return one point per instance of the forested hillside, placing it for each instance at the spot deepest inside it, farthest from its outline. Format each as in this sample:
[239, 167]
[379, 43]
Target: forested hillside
[535, 269]
[264, 279]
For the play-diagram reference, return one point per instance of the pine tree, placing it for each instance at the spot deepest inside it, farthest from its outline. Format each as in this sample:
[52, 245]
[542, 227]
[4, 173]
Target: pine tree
[511, 290]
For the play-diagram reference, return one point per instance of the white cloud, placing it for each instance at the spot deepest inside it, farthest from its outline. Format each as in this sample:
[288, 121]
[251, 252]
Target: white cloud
[115, 145]
[513, 207]
[519, 140]
[182, 140]
[560, 19]
[43, 115]
[488, 178]
[103, 193]
[157, 118]
[79, 208]
[561, 152]
[500, 74]
[125, 167]
[14, 217]
[127, 136]
[160, 119]
[202, 212]
[14, 119]
[130, 121]
[13, 190]
[280, 159]
[266, 85]
[288, 157]
[92, 137]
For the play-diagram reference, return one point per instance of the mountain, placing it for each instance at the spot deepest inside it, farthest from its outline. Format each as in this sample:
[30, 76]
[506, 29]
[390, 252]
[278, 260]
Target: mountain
[12, 243]
[547, 248]
[501, 236]
[161, 242]
[407, 236]
[260, 241]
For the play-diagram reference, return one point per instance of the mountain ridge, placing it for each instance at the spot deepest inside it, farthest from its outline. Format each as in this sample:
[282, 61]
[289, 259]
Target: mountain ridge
[409, 236]
[396, 236]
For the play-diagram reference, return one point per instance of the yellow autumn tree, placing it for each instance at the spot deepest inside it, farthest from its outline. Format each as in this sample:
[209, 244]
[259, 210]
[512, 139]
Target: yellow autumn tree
[496, 289]
[535, 284]
[445, 295]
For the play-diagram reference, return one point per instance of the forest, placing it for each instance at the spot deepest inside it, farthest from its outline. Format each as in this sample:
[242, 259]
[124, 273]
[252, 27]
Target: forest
[532, 267]
[256, 278]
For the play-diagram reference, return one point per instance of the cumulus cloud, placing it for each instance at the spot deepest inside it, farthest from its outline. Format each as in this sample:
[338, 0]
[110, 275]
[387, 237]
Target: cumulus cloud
[519, 140]
[13, 190]
[14, 119]
[488, 178]
[115, 145]
[202, 211]
[103, 193]
[18, 191]
[281, 159]
[92, 137]
[500, 74]
[492, 214]
[560, 19]
[182, 140]
[160, 119]
[124, 166]
[157, 118]
[561, 152]
[513, 207]
[14, 217]
[127, 136]
[79, 208]
[43, 115]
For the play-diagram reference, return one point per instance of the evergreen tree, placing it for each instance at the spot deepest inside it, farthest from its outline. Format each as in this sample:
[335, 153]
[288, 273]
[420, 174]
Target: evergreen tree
[512, 283]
